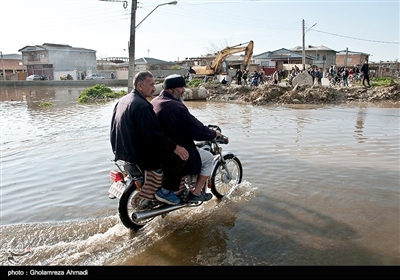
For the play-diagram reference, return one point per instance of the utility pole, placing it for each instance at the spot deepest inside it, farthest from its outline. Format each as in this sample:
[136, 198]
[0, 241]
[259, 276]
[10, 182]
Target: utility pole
[2, 62]
[304, 44]
[131, 43]
[131, 69]
[303, 51]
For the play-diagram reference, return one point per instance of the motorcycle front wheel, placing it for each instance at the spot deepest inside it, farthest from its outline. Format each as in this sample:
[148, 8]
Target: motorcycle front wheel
[225, 177]
[126, 208]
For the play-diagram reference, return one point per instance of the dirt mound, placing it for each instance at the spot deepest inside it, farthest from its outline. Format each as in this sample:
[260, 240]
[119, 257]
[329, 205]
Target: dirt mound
[276, 94]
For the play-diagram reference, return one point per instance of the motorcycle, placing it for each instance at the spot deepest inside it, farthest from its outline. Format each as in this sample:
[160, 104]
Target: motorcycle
[135, 188]
[336, 80]
[356, 77]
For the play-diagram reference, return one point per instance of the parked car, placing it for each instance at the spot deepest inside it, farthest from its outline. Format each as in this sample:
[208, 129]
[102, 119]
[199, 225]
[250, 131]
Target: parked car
[94, 77]
[33, 77]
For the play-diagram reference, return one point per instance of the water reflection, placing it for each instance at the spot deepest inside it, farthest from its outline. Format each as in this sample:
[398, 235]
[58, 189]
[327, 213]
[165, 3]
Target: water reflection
[301, 120]
[211, 243]
[360, 125]
[33, 96]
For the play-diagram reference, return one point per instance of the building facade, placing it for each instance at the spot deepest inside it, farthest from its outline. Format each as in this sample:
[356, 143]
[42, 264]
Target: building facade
[12, 67]
[55, 60]
[346, 58]
[322, 57]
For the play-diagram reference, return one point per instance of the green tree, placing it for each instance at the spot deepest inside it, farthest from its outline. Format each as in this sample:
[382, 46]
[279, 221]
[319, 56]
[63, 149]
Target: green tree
[153, 67]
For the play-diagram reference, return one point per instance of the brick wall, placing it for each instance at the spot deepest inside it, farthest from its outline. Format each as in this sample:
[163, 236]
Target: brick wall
[351, 59]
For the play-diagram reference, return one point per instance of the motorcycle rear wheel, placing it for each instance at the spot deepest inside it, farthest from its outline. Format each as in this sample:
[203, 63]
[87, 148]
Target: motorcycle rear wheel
[126, 209]
[223, 182]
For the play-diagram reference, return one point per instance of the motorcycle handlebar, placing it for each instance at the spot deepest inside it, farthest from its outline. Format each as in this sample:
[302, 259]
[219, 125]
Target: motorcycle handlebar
[222, 140]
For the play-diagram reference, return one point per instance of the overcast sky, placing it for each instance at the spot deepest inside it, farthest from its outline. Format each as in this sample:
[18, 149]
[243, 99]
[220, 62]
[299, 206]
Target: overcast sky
[193, 28]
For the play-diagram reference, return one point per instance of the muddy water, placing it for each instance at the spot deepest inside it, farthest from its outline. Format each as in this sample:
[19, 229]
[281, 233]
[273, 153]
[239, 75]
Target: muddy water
[320, 187]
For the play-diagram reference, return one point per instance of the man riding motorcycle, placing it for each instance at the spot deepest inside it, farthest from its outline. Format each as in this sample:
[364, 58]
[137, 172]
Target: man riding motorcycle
[137, 138]
[181, 126]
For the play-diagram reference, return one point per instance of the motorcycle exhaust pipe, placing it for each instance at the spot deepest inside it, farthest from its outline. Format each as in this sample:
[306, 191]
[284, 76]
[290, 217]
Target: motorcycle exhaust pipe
[140, 216]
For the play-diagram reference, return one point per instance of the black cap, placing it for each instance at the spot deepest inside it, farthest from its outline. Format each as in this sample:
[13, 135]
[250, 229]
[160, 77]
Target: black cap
[174, 81]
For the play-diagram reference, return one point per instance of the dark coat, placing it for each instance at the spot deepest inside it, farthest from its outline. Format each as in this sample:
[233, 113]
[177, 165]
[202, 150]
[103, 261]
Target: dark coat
[136, 136]
[181, 126]
[365, 69]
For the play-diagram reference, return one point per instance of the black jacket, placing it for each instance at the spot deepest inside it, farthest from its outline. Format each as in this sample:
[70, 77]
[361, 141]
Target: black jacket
[365, 68]
[181, 126]
[136, 135]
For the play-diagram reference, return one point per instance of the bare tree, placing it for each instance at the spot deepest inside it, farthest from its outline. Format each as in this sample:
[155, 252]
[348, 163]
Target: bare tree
[215, 47]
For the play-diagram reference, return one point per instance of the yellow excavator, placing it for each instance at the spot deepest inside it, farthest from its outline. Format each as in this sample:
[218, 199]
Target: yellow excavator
[216, 65]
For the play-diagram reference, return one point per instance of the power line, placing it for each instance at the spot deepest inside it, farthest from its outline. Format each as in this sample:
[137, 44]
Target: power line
[354, 37]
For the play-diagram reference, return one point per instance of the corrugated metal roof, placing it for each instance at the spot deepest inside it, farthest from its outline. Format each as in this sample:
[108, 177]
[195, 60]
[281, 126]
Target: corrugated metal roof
[12, 56]
[278, 54]
[343, 52]
[150, 60]
[49, 46]
[310, 48]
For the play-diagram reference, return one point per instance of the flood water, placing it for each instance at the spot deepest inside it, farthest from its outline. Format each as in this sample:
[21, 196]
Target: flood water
[321, 186]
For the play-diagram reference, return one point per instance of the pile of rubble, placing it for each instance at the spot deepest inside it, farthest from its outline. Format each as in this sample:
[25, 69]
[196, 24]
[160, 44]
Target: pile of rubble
[302, 94]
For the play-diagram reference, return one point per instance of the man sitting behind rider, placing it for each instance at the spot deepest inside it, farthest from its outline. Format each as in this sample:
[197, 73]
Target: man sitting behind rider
[181, 126]
[136, 135]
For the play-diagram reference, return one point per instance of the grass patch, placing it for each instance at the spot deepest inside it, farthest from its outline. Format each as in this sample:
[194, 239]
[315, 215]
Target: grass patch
[98, 93]
[376, 82]
[194, 83]
[45, 104]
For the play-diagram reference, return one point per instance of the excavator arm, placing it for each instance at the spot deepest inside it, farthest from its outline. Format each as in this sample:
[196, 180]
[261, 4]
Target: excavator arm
[247, 55]
[216, 65]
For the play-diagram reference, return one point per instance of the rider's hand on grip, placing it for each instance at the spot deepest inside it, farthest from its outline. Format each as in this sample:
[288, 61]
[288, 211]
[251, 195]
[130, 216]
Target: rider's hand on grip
[222, 140]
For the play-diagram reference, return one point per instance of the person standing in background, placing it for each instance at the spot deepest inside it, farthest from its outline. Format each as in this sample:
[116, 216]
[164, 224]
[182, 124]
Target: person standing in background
[239, 75]
[319, 76]
[345, 76]
[275, 77]
[244, 77]
[365, 71]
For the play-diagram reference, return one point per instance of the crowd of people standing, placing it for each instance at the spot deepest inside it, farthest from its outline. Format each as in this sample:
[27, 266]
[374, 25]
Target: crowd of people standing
[342, 74]
[336, 75]
[243, 77]
[255, 78]
[316, 75]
